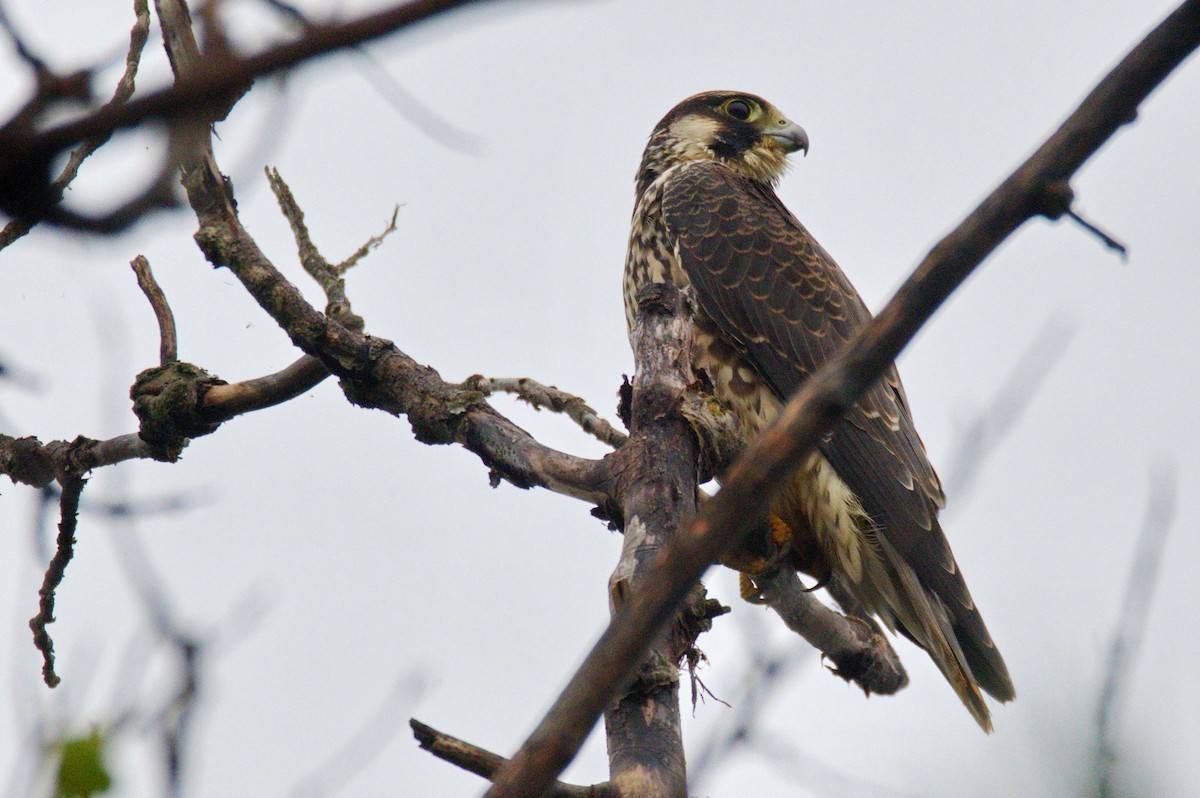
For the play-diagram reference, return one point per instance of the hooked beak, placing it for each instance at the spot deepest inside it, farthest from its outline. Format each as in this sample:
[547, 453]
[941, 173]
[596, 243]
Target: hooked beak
[791, 137]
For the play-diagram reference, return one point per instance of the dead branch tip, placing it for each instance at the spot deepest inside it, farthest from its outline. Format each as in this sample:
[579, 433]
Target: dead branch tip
[72, 488]
[168, 348]
[1108, 240]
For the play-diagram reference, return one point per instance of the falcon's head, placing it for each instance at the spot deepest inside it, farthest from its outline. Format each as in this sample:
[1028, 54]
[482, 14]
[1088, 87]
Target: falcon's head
[743, 131]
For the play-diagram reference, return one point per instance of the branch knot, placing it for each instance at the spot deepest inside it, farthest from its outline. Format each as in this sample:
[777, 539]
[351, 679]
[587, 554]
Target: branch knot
[169, 403]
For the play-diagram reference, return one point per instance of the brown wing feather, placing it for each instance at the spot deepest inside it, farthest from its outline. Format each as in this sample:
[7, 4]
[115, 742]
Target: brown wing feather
[786, 305]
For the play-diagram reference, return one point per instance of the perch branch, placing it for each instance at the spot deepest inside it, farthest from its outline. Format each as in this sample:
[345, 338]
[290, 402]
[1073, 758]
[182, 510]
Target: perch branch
[858, 651]
[657, 492]
[1038, 187]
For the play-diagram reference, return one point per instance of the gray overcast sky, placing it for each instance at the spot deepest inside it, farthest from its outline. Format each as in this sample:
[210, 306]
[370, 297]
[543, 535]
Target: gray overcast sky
[375, 557]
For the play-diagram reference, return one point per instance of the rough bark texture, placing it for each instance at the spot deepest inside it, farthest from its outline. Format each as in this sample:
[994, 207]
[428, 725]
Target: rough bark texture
[657, 492]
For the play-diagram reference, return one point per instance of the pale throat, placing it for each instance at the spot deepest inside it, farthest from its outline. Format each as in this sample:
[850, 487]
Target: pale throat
[688, 140]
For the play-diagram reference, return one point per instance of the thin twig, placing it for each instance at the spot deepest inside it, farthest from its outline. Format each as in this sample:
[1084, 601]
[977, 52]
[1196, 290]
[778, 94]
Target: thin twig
[756, 478]
[72, 485]
[168, 346]
[979, 438]
[352, 757]
[1108, 240]
[326, 275]
[176, 718]
[371, 244]
[817, 777]
[764, 675]
[548, 397]
[1131, 623]
[394, 94]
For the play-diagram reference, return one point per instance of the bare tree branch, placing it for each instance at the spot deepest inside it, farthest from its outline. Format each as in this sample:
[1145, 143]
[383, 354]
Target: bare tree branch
[19, 227]
[72, 487]
[1038, 187]
[548, 397]
[1131, 624]
[484, 763]
[401, 99]
[859, 652]
[817, 777]
[373, 371]
[223, 402]
[658, 491]
[168, 347]
[31, 462]
[352, 757]
[210, 83]
[978, 438]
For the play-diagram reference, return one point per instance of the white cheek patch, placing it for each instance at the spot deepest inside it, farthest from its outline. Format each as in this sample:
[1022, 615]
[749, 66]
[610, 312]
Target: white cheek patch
[694, 133]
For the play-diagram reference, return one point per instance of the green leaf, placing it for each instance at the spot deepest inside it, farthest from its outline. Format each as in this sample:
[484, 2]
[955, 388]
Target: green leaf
[81, 771]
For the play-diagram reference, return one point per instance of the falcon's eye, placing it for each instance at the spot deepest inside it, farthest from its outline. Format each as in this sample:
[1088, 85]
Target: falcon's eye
[740, 110]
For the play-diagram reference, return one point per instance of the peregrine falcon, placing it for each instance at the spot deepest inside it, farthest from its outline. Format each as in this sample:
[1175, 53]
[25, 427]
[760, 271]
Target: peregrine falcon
[772, 306]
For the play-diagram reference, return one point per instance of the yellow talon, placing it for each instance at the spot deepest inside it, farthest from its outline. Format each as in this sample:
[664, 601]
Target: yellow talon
[748, 589]
[781, 533]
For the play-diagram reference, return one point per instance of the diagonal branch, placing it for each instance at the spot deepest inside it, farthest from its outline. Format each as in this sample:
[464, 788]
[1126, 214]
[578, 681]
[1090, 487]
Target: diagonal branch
[858, 650]
[373, 371]
[1038, 187]
[484, 763]
[981, 436]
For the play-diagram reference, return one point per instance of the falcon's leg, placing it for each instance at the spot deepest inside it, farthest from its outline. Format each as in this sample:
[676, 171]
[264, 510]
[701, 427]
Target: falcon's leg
[780, 536]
